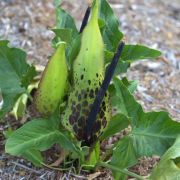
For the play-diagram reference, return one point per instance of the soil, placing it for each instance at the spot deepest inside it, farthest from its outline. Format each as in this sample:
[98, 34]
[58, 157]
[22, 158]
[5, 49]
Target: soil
[153, 23]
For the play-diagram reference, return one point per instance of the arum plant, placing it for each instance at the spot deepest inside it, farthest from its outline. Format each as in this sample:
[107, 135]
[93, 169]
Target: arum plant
[83, 101]
[88, 75]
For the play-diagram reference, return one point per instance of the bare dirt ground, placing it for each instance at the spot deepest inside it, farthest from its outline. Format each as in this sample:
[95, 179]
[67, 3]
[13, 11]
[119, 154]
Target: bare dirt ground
[154, 23]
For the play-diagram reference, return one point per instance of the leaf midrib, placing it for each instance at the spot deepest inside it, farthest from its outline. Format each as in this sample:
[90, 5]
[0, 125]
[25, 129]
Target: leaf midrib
[151, 135]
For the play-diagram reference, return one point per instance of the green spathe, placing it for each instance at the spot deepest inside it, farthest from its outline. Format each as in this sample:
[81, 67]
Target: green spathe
[91, 55]
[88, 74]
[52, 86]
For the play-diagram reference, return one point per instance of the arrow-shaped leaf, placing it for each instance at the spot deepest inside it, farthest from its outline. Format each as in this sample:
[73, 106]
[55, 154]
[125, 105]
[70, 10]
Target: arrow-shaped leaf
[152, 133]
[37, 134]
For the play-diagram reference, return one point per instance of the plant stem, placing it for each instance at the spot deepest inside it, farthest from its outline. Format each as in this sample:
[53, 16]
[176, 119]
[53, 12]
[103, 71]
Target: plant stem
[55, 168]
[123, 171]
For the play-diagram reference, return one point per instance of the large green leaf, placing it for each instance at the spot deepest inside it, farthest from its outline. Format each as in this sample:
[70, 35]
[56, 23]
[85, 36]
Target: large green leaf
[167, 169]
[130, 54]
[15, 75]
[110, 29]
[137, 52]
[116, 124]
[37, 134]
[65, 30]
[152, 133]
[65, 27]
[124, 155]
[65, 21]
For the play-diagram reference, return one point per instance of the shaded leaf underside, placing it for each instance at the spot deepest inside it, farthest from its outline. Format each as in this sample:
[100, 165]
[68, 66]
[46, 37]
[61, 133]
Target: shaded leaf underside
[15, 75]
